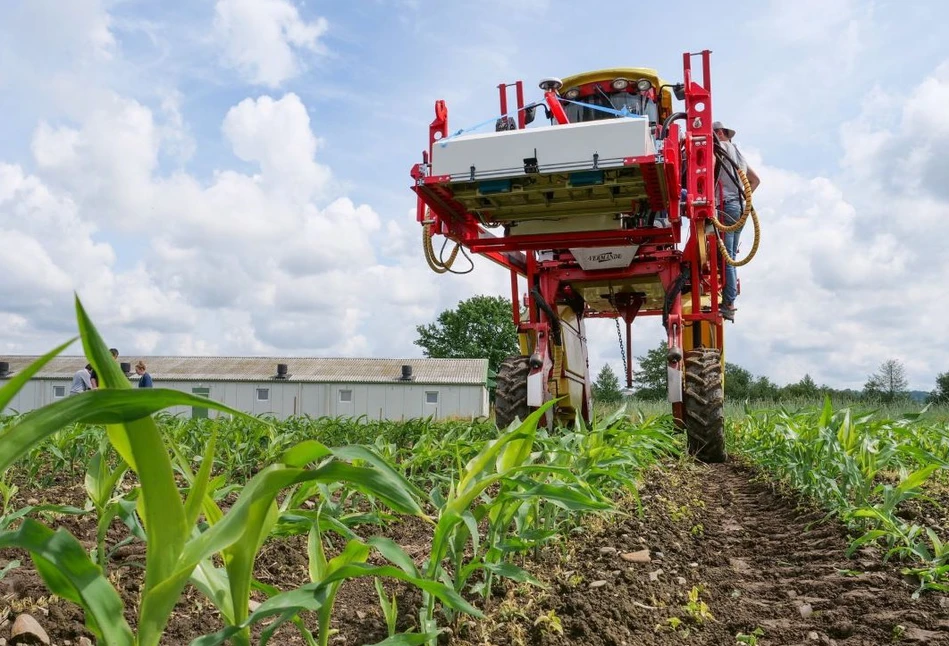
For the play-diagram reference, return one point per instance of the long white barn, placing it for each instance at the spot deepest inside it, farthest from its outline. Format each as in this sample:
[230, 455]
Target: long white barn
[395, 389]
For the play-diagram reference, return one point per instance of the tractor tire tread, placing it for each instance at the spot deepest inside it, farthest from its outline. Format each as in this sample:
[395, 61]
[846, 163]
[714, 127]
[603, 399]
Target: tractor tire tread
[704, 405]
[511, 391]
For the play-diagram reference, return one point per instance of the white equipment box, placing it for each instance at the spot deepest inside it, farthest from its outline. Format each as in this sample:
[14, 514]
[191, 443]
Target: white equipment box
[563, 148]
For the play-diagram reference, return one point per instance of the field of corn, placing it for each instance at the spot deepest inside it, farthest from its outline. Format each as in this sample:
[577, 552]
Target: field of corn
[124, 526]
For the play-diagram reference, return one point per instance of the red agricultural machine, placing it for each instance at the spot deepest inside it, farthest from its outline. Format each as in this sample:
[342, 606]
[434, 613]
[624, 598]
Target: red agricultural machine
[588, 211]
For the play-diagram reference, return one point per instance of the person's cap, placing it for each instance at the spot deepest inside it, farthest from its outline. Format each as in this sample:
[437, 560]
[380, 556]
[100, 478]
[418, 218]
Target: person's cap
[718, 126]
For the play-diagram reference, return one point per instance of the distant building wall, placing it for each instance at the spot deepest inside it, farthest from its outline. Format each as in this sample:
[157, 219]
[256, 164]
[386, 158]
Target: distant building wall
[286, 399]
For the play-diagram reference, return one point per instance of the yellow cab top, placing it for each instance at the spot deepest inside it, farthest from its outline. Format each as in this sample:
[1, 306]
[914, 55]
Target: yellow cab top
[631, 73]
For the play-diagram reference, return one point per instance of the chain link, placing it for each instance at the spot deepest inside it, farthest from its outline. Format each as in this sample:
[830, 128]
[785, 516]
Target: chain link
[622, 348]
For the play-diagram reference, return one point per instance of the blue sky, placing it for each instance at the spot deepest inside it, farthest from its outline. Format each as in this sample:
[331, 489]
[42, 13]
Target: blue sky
[231, 176]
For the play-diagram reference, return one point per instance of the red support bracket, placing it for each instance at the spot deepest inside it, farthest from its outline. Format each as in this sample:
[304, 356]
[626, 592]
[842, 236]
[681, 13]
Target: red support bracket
[438, 129]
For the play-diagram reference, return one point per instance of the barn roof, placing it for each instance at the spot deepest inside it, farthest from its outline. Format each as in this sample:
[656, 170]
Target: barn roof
[300, 369]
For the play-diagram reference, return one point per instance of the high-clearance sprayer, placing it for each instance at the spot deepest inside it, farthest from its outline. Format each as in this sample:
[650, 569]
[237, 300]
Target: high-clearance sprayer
[588, 212]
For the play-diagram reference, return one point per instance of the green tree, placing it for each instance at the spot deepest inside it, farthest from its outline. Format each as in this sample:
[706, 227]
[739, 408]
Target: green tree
[806, 388]
[941, 394]
[481, 327]
[738, 382]
[762, 389]
[651, 379]
[606, 388]
[888, 383]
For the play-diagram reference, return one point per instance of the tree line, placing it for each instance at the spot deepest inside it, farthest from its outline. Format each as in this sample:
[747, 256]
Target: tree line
[887, 385]
[481, 327]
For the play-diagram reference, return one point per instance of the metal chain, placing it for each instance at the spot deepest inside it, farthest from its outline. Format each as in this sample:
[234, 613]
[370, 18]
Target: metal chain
[622, 348]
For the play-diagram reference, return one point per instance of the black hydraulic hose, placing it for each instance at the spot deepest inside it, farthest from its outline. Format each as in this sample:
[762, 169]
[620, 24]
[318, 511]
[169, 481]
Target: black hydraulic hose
[674, 290]
[668, 122]
[554, 321]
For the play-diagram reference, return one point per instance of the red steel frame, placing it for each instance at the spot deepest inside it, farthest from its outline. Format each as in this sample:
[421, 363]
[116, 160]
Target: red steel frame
[657, 255]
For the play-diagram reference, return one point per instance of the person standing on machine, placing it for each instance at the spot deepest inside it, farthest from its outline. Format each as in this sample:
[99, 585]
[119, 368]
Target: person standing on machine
[730, 203]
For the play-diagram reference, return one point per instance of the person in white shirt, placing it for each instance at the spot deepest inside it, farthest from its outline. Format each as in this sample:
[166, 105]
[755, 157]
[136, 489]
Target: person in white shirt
[82, 381]
[730, 203]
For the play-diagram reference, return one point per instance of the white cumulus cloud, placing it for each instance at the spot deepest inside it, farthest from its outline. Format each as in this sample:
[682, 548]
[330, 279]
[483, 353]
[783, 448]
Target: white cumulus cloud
[265, 39]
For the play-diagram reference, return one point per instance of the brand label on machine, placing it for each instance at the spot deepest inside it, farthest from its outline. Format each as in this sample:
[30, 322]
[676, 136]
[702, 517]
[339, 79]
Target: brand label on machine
[605, 257]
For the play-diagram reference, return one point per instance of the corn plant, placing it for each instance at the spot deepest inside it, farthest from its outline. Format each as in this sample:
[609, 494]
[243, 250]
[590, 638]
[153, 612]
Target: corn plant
[390, 607]
[176, 549]
[100, 483]
[847, 464]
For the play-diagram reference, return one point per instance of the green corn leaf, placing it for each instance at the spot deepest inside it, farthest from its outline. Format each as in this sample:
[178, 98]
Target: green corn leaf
[827, 413]
[99, 481]
[511, 571]
[161, 507]
[7, 520]
[937, 544]
[472, 525]
[214, 584]
[9, 567]
[354, 452]
[478, 464]
[198, 495]
[67, 571]
[563, 496]
[915, 479]
[254, 510]
[355, 552]
[102, 406]
[239, 557]
[305, 453]
[516, 452]
[394, 553]
[20, 379]
[312, 597]
[316, 557]
[868, 537]
[289, 522]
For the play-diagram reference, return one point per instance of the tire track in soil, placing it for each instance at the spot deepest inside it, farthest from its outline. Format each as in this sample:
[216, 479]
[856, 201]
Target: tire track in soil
[759, 565]
[796, 579]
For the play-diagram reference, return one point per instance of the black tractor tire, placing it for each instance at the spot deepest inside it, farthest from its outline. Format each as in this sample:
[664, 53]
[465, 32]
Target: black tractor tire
[510, 399]
[703, 397]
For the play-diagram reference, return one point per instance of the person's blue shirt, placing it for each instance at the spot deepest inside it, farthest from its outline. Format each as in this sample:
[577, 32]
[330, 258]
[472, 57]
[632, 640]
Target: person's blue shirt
[145, 381]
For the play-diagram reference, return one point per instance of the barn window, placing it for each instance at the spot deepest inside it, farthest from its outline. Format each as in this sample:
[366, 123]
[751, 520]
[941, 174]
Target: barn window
[345, 396]
[263, 394]
[431, 397]
[59, 391]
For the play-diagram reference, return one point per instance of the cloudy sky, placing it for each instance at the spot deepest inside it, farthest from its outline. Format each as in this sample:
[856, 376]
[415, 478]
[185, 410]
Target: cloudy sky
[232, 176]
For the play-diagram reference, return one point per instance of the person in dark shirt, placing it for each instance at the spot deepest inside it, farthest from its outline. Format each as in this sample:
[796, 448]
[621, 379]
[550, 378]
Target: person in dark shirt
[145, 379]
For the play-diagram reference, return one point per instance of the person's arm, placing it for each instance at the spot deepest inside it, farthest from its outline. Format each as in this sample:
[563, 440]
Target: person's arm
[753, 178]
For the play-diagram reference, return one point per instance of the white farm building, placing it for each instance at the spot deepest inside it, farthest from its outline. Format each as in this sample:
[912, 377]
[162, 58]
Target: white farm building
[394, 389]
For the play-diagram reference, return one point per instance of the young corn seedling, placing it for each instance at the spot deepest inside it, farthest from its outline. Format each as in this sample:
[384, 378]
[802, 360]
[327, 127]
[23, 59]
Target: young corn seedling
[390, 607]
[175, 546]
[101, 482]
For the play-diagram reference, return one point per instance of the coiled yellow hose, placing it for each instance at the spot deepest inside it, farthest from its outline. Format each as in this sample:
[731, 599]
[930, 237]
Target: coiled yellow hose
[729, 228]
[436, 265]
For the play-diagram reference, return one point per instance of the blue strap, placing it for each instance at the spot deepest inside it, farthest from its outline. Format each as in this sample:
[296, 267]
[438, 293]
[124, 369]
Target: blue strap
[619, 113]
[444, 142]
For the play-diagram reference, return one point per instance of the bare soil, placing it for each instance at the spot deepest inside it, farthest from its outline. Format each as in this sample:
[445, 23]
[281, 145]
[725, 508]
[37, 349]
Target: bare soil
[757, 559]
